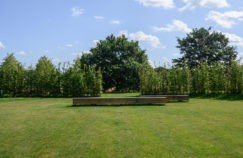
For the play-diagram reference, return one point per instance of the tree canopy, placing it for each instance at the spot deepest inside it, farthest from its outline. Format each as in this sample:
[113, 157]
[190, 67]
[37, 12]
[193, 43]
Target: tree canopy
[119, 60]
[45, 77]
[46, 80]
[201, 45]
[11, 76]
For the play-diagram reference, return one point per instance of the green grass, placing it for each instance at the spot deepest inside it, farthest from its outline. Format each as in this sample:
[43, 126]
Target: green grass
[37, 127]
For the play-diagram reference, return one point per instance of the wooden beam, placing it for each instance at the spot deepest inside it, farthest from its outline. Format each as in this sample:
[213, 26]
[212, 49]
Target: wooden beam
[111, 101]
[171, 97]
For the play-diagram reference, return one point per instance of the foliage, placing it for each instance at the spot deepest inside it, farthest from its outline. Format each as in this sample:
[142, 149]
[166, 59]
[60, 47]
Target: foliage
[234, 75]
[119, 60]
[45, 80]
[200, 79]
[82, 82]
[30, 83]
[204, 79]
[173, 80]
[11, 77]
[217, 78]
[201, 45]
[45, 77]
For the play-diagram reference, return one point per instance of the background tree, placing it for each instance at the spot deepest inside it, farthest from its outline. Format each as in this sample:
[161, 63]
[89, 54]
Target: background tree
[235, 78]
[162, 80]
[119, 60]
[217, 78]
[200, 79]
[11, 77]
[46, 78]
[201, 45]
[29, 81]
[85, 81]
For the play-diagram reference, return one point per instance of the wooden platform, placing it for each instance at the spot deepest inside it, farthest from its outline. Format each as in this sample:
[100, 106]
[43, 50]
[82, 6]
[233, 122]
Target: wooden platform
[119, 101]
[171, 97]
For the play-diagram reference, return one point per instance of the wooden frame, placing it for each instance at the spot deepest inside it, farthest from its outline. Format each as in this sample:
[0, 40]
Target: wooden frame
[125, 100]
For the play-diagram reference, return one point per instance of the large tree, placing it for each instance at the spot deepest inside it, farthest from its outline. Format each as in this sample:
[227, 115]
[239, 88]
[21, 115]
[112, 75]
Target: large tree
[119, 60]
[202, 45]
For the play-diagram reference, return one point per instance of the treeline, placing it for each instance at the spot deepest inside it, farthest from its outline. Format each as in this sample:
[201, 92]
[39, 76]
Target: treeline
[217, 78]
[46, 80]
[75, 80]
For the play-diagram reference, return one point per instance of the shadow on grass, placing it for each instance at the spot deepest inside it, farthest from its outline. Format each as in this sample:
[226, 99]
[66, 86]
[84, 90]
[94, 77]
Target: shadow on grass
[114, 105]
[219, 97]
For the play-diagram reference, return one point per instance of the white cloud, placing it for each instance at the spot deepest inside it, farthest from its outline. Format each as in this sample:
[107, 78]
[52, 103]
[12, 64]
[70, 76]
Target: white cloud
[2, 46]
[234, 39]
[115, 22]
[23, 53]
[157, 3]
[76, 11]
[142, 37]
[176, 25]
[192, 4]
[99, 17]
[226, 19]
[69, 45]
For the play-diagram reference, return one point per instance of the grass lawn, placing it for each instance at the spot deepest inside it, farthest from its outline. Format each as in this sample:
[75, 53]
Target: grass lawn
[37, 127]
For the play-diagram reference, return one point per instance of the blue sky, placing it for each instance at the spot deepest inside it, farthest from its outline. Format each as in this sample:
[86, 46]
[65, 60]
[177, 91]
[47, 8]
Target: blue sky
[63, 29]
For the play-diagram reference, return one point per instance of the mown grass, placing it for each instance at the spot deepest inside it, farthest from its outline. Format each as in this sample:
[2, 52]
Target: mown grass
[53, 128]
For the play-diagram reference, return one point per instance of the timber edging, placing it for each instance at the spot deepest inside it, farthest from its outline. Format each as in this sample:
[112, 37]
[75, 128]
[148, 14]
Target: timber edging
[171, 97]
[118, 101]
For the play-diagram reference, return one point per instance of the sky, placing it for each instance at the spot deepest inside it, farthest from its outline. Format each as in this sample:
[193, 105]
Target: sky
[64, 29]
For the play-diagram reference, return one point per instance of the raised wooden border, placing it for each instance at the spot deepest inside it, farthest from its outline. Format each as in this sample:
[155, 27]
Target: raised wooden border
[113, 101]
[171, 97]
